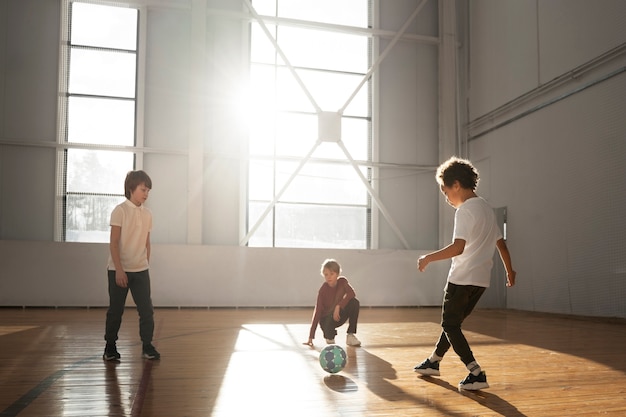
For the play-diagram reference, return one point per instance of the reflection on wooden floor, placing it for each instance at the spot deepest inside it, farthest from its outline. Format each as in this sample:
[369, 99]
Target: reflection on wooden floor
[252, 362]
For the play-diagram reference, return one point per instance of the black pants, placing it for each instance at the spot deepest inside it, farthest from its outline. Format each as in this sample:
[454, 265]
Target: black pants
[458, 303]
[139, 286]
[350, 314]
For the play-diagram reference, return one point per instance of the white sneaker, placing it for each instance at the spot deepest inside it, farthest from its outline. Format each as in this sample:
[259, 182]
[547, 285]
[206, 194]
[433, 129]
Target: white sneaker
[351, 340]
[330, 341]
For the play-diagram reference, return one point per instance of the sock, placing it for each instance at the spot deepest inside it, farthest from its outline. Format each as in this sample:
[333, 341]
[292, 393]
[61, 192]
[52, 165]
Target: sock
[474, 368]
[434, 357]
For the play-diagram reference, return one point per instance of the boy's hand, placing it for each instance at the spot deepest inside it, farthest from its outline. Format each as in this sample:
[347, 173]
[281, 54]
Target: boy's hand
[121, 279]
[422, 262]
[510, 279]
[336, 313]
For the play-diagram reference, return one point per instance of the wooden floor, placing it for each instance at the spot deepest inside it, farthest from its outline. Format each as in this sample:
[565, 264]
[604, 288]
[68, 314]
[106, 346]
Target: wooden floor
[251, 362]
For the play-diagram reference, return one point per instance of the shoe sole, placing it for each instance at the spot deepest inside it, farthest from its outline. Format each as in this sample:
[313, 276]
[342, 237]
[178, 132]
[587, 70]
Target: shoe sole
[427, 372]
[146, 356]
[474, 386]
[110, 358]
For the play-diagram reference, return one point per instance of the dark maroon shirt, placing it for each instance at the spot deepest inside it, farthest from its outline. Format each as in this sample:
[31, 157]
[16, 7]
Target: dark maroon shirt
[327, 298]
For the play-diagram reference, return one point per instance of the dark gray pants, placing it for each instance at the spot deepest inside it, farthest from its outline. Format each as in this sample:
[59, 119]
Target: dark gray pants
[139, 286]
[458, 303]
[350, 314]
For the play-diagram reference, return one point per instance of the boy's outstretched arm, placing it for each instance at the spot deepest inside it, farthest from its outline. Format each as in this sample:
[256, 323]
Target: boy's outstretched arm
[505, 255]
[453, 249]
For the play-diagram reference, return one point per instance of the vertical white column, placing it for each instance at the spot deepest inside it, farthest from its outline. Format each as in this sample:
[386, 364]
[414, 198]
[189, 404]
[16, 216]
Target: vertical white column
[447, 102]
[197, 118]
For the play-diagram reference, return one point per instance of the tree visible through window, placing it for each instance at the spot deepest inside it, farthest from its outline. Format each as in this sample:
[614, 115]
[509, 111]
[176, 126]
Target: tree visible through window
[99, 118]
[303, 192]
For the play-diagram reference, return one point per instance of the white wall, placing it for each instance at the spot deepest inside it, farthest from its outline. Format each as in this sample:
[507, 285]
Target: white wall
[74, 274]
[554, 153]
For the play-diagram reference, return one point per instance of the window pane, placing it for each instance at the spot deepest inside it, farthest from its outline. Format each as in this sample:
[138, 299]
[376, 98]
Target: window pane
[291, 96]
[335, 51]
[263, 236]
[261, 180]
[88, 216]
[355, 136]
[344, 12]
[330, 91]
[104, 26]
[262, 49]
[328, 183]
[100, 172]
[101, 121]
[102, 73]
[296, 134]
[306, 226]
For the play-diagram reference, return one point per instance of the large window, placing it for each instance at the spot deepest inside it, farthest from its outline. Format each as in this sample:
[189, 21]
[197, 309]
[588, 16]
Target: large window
[98, 117]
[305, 189]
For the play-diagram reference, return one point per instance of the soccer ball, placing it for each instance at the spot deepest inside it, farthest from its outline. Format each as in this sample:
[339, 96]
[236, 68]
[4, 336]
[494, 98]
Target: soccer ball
[333, 358]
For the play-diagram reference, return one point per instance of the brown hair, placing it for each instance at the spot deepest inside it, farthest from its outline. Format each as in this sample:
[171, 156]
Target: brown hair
[134, 179]
[332, 265]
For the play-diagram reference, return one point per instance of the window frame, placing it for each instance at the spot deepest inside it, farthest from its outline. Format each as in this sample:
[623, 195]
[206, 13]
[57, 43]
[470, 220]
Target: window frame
[367, 165]
[63, 145]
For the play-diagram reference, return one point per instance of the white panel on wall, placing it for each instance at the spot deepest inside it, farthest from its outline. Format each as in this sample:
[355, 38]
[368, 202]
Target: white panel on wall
[168, 197]
[573, 32]
[214, 276]
[560, 171]
[503, 49]
[167, 101]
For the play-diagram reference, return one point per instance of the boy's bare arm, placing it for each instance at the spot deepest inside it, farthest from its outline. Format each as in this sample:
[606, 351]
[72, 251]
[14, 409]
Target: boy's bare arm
[148, 247]
[505, 255]
[453, 249]
[114, 247]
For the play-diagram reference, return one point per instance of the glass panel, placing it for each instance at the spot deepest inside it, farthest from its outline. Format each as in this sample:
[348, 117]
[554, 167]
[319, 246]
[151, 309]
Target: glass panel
[291, 96]
[263, 235]
[102, 73]
[305, 226]
[263, 110]
[344, 12]
[296, 134]
[262, 49]
[100, 172]
[330, 91]
[104, 26]
[335, 51]
[261, 180]
[101, 121]
[328, 183]
[355, 136]
[88, 217]
[265, 7]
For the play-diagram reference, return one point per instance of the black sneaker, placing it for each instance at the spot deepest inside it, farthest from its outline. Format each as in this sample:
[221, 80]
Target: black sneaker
[474, 382]
[427, 368]
[149, 352]
[111, 353]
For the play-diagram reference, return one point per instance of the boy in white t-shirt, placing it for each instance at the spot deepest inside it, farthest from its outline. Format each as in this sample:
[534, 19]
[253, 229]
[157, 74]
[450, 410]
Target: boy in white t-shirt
[131, 223]
[476, 236]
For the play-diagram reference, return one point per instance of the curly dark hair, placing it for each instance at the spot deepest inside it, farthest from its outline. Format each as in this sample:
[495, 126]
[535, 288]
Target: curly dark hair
[457, 169]
[134, 179]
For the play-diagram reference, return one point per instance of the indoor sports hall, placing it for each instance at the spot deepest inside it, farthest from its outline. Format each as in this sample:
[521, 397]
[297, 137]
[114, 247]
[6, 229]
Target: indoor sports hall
[278, 134]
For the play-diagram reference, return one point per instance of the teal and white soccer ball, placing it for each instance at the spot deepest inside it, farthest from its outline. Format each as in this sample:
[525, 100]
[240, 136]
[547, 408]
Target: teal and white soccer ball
[333, 358]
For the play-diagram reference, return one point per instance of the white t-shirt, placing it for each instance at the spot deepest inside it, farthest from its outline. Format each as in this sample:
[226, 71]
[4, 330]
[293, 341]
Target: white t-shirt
[136, 223]
[475, 222]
